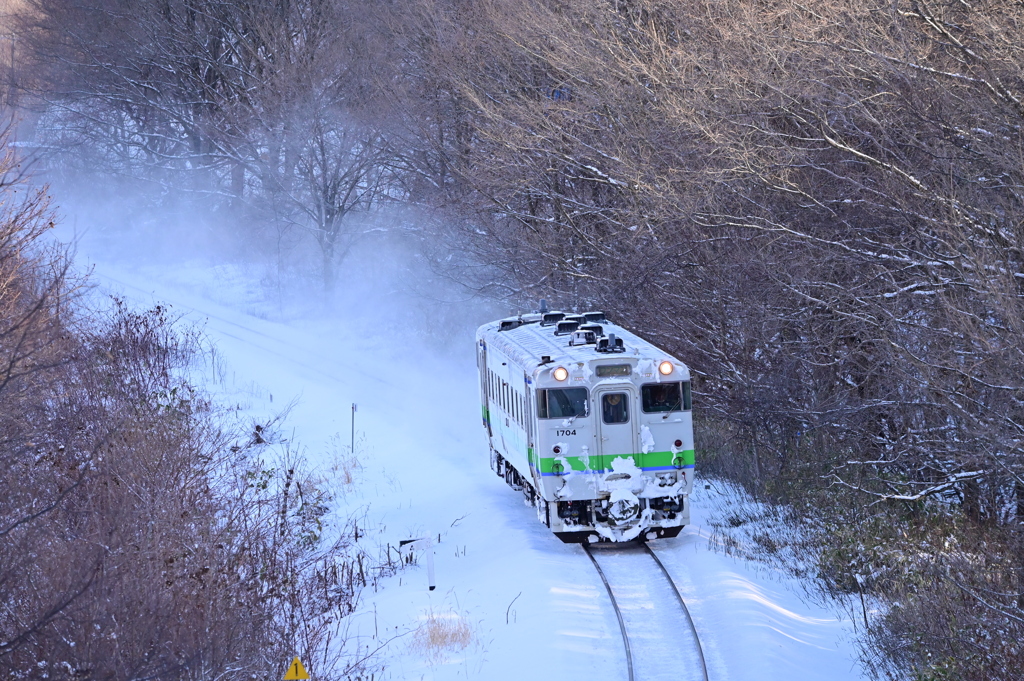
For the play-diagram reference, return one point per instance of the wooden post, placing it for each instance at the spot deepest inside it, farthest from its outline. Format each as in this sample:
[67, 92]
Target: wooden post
[352, 447]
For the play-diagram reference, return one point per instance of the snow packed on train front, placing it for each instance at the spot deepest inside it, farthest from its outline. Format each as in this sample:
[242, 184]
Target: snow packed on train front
[591, 422]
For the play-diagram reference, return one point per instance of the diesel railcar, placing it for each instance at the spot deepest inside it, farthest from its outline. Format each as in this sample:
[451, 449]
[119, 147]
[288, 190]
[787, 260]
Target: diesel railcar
[590, 422]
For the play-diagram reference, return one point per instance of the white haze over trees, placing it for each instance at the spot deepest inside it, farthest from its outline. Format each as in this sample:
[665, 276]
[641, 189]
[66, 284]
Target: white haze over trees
[816, 205]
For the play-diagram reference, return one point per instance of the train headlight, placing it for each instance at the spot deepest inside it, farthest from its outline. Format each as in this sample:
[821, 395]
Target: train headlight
[666, 368]
[560, 374]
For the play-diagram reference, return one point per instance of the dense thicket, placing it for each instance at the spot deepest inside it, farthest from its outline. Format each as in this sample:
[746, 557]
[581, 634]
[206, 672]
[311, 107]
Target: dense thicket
[139, 536]
[816, 205]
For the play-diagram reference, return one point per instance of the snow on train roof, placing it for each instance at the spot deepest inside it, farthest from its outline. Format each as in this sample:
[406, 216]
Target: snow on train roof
[529, 342]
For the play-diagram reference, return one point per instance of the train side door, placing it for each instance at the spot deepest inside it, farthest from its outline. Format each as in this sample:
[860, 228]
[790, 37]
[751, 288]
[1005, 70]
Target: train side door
[485, 403]
[617, 421]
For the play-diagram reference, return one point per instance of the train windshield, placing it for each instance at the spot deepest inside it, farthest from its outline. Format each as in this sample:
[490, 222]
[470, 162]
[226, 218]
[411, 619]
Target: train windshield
[664, 397]
[561, 403]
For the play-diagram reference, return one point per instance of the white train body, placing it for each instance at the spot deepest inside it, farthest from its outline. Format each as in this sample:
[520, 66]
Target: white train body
[591, 422]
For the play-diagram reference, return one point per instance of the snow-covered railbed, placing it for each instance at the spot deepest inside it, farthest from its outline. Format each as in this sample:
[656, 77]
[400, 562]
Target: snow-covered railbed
[656, 626]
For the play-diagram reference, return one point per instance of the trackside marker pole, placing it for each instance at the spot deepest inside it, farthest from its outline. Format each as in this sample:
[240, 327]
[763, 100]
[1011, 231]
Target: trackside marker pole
[428, 547]
[430, 565]
[352, 448]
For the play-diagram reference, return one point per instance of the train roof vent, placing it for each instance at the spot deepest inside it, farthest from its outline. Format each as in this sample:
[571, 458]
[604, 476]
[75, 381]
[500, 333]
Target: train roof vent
[610, 344]
[596, 328]
[575, 318]
[583, 337]
[509, 324]
[552, 318]
[595, 316]
[565, 328]
[530, 318]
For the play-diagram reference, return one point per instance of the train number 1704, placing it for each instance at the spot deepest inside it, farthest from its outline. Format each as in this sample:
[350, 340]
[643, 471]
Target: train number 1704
[565, 432]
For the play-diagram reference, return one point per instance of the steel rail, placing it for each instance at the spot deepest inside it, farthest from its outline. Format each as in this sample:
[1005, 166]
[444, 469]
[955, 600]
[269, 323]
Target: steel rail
[618, 613]
[686, 611]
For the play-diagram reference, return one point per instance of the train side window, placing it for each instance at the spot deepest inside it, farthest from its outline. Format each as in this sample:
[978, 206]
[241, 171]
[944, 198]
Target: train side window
[665, 397]
[562, 403]
[615, 408]
[661, 397]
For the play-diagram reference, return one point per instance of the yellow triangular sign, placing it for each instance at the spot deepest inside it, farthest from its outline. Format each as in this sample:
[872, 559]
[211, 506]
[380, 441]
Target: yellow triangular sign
[296, 671]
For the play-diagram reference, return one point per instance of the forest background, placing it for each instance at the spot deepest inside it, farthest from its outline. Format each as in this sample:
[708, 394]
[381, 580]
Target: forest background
[815, 205]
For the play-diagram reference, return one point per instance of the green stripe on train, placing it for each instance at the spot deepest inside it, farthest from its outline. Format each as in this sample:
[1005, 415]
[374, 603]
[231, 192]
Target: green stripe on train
[598, 463]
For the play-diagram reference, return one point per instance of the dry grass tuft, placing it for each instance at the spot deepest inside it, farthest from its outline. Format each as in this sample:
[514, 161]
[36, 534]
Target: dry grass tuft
[442, 634]
[346, 465]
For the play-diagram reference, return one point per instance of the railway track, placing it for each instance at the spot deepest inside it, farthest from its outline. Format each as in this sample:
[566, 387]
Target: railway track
[658, 633]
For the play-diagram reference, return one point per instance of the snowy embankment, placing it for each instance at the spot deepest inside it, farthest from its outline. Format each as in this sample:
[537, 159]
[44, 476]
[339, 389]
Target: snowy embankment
[512, 602]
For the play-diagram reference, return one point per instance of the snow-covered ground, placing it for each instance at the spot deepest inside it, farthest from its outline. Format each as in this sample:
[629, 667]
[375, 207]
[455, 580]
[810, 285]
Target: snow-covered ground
[532, 607]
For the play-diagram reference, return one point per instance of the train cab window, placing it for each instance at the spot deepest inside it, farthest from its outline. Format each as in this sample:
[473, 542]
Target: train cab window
[665, 397]
[615, 408]
[562, 403]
